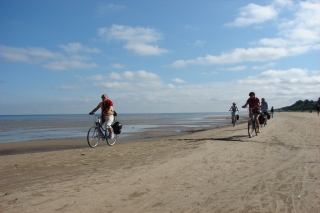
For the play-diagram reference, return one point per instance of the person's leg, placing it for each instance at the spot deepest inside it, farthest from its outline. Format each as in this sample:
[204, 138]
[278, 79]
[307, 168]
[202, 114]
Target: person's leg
[266, 116]
[108, 123]
[232, 117]
[256, 117]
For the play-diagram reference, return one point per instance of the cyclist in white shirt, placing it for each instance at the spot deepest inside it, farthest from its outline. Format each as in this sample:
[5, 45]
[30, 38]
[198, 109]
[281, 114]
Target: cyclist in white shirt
[234, 110]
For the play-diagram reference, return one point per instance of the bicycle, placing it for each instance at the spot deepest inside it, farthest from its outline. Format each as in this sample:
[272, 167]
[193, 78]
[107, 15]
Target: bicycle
[98, 132]
[233, 118]
[252, 127]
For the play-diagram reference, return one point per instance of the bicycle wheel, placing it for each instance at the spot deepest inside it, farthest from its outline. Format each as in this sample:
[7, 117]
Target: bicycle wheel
[112, 141]
[249, 129]
[233, 121]
[92, 137]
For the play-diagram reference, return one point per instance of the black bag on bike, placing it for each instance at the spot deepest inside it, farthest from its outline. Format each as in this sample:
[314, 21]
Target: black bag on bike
[268, 115]
[261, 119]
[237, 117]
[117, 127]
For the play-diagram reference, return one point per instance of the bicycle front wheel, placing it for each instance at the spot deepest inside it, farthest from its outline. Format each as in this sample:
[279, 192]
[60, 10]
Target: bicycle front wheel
[249, 129]
[93, 137]
[112, 141]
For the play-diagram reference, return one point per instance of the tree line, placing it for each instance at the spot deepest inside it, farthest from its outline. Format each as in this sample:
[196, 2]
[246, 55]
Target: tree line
[301, 105]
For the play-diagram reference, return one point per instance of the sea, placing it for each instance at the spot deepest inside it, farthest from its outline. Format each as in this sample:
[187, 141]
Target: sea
[17, 128]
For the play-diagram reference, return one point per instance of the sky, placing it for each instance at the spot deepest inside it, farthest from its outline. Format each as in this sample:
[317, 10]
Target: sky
[156, 56]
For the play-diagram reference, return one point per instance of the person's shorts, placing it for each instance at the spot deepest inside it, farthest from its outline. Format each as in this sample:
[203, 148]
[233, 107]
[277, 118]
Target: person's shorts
[109, 120]
[257, 112]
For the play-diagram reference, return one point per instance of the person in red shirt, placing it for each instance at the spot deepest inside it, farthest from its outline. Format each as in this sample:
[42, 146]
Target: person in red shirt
[106, 112]
[254, 104]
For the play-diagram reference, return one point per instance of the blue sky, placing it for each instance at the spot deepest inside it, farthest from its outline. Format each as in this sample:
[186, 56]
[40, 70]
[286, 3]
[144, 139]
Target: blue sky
[59, 56]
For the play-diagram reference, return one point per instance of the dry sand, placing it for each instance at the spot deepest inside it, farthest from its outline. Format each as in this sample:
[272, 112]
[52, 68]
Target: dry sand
[217, 170]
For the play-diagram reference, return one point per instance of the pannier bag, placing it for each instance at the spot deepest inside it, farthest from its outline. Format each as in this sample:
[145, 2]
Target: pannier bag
[268, 116]
[261, 119]
[237, 117]
[116, 126]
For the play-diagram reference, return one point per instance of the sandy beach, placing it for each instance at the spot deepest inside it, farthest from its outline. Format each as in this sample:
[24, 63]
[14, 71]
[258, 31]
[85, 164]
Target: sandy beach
[214, 170]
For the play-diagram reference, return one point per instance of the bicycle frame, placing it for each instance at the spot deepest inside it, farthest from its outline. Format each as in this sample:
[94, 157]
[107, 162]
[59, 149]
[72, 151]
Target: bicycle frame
[252, 126]
[103, 130]
[233, 118]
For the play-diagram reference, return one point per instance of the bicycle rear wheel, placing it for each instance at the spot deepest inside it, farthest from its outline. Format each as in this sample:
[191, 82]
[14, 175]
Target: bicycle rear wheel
[93, 137]
[112, 141]
[233, 121]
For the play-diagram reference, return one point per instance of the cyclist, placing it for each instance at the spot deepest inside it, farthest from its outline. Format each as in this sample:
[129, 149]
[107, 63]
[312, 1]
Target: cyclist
[318, 106]
[254, 103]
[264, 108]
[233, 110]
[106, 113]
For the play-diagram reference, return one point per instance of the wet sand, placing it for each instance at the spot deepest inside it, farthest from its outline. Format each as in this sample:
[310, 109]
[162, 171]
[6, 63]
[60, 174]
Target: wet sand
[205, 170]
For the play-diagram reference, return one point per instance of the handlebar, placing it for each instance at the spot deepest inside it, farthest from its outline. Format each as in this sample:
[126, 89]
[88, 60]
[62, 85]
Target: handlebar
[256, 106]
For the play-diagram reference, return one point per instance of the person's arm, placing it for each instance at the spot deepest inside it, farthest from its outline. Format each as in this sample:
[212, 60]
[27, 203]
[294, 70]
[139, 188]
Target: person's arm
[244, 106]
[95, 109]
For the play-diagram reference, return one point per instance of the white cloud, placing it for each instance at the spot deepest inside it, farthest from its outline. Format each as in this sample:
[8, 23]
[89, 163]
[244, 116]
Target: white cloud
[137, 39]
[239, 55]
[77, 47]
[254, 14]
[283, 78]
[48, 59]
[144, 49]
[296, 36]
[210, 73]
[103, 9]
[117, 66]
[238, 68]
[28, 55]
[178, 80]
[264, 66]
[96, 78]
[68, 87]
[303, 30]
[137, 76]
[279, 87]
[69, 65]
[198, 43]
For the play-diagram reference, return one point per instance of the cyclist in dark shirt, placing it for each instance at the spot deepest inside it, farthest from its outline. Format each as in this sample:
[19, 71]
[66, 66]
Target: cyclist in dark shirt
[254, 104]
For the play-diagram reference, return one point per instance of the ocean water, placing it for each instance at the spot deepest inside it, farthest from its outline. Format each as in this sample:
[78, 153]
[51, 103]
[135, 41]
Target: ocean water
[14, 128]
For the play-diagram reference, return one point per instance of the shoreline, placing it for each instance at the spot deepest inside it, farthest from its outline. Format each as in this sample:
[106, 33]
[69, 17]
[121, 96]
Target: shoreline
[59, 144]
[42, 128]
